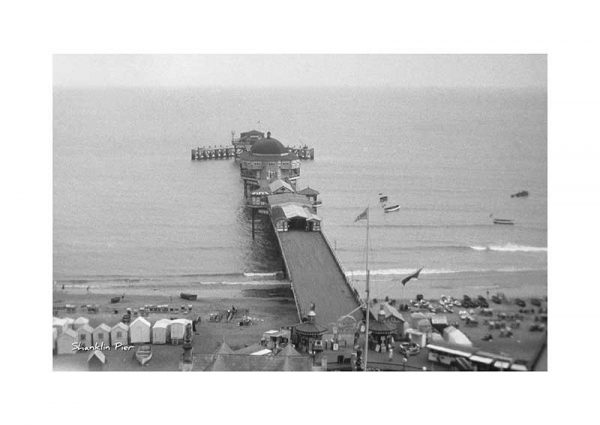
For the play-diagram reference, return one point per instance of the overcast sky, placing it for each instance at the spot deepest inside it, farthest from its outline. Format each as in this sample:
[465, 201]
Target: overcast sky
[301, 70]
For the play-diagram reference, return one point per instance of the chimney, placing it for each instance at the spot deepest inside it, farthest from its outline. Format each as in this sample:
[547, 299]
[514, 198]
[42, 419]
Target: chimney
[311, 314]
[381, 315]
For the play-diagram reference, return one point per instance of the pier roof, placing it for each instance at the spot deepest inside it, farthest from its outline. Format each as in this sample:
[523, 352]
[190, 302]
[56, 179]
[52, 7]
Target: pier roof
[249, 156]
[252, 133]
[308, 191]
[268, 146]
[310, 328]
[284, 198]
[278, 184]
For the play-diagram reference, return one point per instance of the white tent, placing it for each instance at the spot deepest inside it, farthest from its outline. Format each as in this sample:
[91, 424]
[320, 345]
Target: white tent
[102, 335]
[79, 322]
[417, 337]
[161, 331]
[415, 318]
[84, 335]
[178, 330]
[454, 336]
[64, 343]
[119, 334]
[139, 331]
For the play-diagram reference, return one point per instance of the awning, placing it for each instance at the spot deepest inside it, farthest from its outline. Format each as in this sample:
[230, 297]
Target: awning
[261, 352]
[448, 350]
[479, 359]
[294, 211]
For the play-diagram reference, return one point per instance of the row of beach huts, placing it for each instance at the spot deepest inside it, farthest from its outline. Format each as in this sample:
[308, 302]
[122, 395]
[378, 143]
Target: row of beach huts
[68, 333]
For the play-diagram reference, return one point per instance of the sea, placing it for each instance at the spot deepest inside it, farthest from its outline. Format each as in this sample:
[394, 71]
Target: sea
[131, 208]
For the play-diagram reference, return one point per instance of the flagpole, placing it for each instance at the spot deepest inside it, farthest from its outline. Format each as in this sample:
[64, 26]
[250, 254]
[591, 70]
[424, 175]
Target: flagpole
[367, 290]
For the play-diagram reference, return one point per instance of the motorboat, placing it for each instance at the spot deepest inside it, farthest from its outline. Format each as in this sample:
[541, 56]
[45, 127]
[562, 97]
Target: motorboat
[391, 208]
[504, 221]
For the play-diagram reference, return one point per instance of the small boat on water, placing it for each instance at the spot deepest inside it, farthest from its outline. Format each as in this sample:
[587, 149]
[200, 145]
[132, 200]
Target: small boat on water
[504, 221]
[190, 297]
[391, 208]
[144, 354]
[521, 194]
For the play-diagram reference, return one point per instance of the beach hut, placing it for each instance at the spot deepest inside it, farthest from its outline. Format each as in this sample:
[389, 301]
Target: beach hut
[139, 331]
[101, 335]
[454, 336]
[119, 334]
[96, 361]
[161, 331]
[439, 322]
[59, 324]
[70, 323]
[64, 342]
[178, 330]
[392, 315]
[84, 335]
[79, 322]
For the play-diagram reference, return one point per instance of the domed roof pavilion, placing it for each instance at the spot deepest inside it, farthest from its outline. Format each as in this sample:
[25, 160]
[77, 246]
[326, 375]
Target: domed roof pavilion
[268, 149]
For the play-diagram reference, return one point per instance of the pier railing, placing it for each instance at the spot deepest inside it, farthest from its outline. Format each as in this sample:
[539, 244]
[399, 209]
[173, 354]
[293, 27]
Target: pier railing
[225, 152]
[287, 270]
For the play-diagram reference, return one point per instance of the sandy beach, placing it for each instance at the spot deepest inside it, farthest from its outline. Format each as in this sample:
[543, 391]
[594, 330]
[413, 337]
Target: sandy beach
[270, 306]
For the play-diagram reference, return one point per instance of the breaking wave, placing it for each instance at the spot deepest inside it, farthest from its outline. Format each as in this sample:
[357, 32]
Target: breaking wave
[404, 272]
[510, 248]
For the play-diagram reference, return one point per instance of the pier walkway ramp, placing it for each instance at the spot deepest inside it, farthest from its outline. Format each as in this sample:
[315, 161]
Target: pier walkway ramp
[316, 276]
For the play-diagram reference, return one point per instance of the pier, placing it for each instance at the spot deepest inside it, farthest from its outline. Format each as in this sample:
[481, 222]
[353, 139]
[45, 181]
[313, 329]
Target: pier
[270, 172]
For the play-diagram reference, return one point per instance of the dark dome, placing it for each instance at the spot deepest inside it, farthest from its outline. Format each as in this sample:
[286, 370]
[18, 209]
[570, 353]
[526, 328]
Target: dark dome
[268, 146]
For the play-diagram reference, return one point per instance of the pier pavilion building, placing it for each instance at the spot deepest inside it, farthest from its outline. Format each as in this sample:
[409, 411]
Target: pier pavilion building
[246, 140]
[268, 161]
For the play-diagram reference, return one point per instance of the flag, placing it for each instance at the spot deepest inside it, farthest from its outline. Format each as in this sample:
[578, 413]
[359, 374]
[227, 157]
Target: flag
[363, 215]
[415, 275]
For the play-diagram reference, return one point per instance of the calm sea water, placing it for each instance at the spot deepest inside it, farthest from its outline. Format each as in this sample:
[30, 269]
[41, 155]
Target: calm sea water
[129, 205]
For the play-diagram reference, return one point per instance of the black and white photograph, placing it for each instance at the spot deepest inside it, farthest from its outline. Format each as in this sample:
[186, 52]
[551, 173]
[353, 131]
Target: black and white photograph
[300, 212]
[329, 211]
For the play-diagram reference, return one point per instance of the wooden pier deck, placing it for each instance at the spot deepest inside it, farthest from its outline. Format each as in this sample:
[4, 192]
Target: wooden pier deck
[316, 276]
